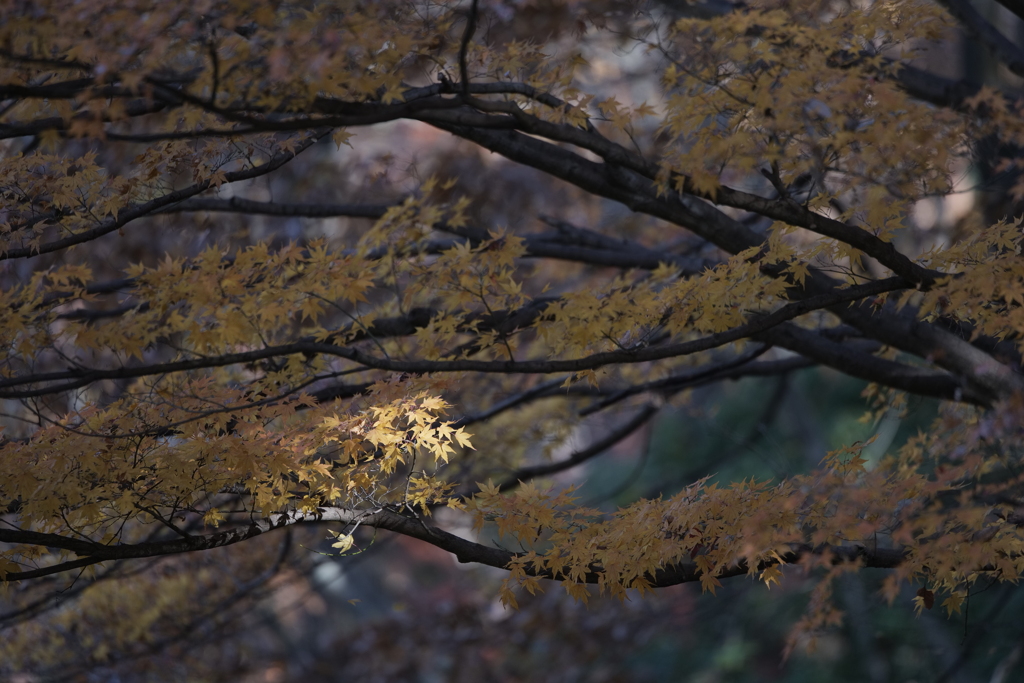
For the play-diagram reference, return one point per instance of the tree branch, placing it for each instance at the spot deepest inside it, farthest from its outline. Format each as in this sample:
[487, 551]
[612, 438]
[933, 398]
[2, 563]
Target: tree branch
[579, 457]
[133, 212]
[760, 324]
[1004, 49]
[1015, 6]
[464, 550]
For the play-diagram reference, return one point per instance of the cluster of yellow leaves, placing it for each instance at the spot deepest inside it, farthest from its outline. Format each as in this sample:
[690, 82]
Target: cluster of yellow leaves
[51, 198]
[467, 284]
[985, 287]
[207, 305]
[704, 525]
[809, 95]
[220, 302]
[465, 280]
[998, 116]
[125, 614]
[941, 501]
[631, 309]
[181, 451]
[45, 190]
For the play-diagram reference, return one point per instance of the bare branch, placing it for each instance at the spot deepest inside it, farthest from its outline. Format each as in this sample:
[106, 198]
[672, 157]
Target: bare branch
[1015, 6]
[579, 457]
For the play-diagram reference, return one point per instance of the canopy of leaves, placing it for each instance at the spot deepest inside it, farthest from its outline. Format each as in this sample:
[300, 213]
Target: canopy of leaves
[226, 312]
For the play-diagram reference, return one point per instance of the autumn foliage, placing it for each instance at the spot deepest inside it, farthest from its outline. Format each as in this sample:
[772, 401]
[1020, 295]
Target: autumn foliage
[176, 378]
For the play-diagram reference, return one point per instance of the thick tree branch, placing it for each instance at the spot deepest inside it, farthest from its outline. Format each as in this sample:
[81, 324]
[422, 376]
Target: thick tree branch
[1004, 49]
[581, 246]
[465, 551]
[984, 376]
[241, 205]
[51, 570]
[850, 361]
[762, 323]
[618, 156]
[1015, 6]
